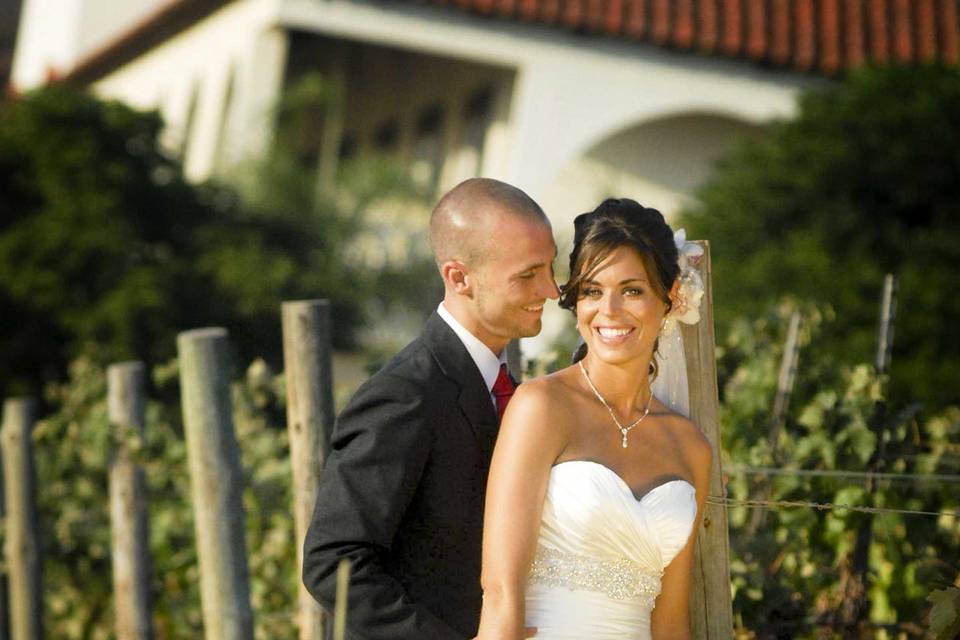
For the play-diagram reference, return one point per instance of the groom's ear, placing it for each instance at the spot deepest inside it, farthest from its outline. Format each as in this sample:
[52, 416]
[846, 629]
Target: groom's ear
[456, 277]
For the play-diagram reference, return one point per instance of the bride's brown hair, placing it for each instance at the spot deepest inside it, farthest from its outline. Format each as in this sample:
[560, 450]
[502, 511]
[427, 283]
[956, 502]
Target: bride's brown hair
[621, 223]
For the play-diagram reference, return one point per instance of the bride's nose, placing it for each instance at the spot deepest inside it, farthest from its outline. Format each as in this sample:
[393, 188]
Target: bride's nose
[611, 304]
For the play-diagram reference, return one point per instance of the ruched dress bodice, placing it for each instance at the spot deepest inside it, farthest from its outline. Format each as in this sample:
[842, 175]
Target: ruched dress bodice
[601, 553]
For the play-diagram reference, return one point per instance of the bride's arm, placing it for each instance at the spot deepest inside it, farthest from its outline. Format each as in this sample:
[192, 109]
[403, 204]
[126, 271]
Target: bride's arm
[670, 619]
[530, 440]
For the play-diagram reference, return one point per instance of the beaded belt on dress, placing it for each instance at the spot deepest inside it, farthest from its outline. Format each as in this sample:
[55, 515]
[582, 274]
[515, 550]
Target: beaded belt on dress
[619, 579]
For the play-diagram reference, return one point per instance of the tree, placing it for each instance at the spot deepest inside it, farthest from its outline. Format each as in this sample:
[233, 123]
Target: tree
[864, 181]
[106, 250]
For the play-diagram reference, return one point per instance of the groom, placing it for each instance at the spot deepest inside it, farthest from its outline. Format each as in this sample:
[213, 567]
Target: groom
[402, 493]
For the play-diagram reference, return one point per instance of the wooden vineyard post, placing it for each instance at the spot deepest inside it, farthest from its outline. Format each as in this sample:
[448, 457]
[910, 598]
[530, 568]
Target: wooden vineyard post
[856, 604]
[778, 416]
[216, 484]
[785, 380]
[307, 355]
[129, 532]
[340, 603]
[22, 544]
[4, 586]
[711, 606]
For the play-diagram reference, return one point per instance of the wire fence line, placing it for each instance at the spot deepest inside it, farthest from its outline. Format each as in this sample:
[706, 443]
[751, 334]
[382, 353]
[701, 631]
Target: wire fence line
[823, 506]
[830, 473]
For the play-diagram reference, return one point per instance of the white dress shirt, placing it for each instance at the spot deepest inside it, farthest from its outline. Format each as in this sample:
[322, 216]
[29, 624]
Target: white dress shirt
[486, 360]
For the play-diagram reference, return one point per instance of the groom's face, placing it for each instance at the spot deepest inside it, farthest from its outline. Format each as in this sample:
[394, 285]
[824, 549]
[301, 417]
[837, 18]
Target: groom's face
[514, 280]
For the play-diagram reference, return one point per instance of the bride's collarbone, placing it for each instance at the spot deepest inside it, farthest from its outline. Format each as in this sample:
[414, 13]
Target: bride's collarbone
[654, 453]
[653, 436]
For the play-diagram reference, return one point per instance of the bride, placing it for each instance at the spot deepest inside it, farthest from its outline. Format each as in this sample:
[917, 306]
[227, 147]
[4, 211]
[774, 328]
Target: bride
[596, 485]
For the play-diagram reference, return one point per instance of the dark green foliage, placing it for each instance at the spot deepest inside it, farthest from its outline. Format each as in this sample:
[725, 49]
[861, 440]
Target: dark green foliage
[865, 181]
[790, 566]
[105, 250]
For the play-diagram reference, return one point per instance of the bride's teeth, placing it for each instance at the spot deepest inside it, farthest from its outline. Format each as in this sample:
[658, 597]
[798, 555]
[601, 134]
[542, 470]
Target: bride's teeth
[613, 333]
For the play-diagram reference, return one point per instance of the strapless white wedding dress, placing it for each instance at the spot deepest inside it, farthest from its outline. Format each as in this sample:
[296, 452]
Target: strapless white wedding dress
[601, 553]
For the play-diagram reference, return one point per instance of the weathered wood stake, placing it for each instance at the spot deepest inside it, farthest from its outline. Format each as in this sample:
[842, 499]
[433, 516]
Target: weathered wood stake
[341, 599]
[856, 581]
[129, 530]
[22, 548]
[711, 606]
[307, 356]
[888, 316]
[216, 484]
[4, 583]
[786, 379]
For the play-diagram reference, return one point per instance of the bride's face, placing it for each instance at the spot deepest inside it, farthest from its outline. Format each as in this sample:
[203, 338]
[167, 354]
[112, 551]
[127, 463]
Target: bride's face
[618, 313]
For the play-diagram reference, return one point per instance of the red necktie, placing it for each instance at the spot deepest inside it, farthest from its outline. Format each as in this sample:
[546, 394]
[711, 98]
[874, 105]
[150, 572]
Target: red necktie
[503, 390]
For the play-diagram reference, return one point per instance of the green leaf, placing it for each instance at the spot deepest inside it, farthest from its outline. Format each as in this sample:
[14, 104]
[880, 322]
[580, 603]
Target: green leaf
[863, 442]
[945, 613]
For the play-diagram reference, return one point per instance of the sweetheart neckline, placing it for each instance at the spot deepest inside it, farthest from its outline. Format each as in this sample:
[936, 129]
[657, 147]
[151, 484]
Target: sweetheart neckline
[622, 482]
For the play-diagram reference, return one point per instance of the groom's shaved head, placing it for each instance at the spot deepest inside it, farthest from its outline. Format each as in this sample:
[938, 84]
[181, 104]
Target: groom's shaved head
[462, 223]
[495, 250]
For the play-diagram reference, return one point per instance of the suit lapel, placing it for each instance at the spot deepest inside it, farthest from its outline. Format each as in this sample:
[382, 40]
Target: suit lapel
[456, 363]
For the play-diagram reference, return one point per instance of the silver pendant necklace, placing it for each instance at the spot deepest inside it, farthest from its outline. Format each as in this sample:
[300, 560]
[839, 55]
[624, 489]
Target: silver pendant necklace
[624, 430]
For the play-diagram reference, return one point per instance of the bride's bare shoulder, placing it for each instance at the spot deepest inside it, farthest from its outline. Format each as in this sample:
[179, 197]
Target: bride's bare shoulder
[544, 399]
[687, 436]
[692, 441]
[553, 390]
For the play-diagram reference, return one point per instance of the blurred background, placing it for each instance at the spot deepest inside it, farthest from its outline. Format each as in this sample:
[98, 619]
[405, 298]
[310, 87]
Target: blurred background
[166, 165]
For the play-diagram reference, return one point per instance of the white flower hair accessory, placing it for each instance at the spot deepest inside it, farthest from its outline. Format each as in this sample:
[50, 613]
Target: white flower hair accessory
[686, 307]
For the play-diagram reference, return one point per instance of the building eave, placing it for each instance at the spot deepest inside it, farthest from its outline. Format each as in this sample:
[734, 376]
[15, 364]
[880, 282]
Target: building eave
[152, 30]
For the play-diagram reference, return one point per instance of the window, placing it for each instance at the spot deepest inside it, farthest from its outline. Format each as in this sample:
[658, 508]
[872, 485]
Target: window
[475, 124]
[428, 147]
[387, 136]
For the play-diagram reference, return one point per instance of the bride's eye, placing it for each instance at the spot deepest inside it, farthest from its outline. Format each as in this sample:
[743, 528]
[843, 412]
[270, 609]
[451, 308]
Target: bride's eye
[590, 292]
[633, 291]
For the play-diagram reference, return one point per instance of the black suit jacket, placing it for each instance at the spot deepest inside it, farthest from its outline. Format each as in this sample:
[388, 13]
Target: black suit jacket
[402, 496]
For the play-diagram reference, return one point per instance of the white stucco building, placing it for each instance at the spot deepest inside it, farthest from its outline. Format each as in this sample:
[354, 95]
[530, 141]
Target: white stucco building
[570, 101]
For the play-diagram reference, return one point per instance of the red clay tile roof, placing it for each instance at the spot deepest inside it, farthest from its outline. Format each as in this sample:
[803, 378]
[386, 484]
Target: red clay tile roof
[819, 36]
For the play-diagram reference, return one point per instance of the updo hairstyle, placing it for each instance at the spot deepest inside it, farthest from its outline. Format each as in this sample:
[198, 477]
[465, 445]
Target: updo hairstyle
[621, 223]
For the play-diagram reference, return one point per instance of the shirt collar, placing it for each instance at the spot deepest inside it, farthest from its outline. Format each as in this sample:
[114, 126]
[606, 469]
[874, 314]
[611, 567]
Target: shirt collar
[486, 360]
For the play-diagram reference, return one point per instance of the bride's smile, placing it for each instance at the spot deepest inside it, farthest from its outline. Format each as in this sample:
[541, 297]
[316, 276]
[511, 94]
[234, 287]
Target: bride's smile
[614, 335]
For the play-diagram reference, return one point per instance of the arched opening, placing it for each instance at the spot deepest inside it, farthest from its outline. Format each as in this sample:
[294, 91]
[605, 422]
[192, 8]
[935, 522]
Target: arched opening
[660, 163]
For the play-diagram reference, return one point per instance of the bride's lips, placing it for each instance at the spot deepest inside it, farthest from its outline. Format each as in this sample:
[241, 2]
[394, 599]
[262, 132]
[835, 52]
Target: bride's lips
[613, 335]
